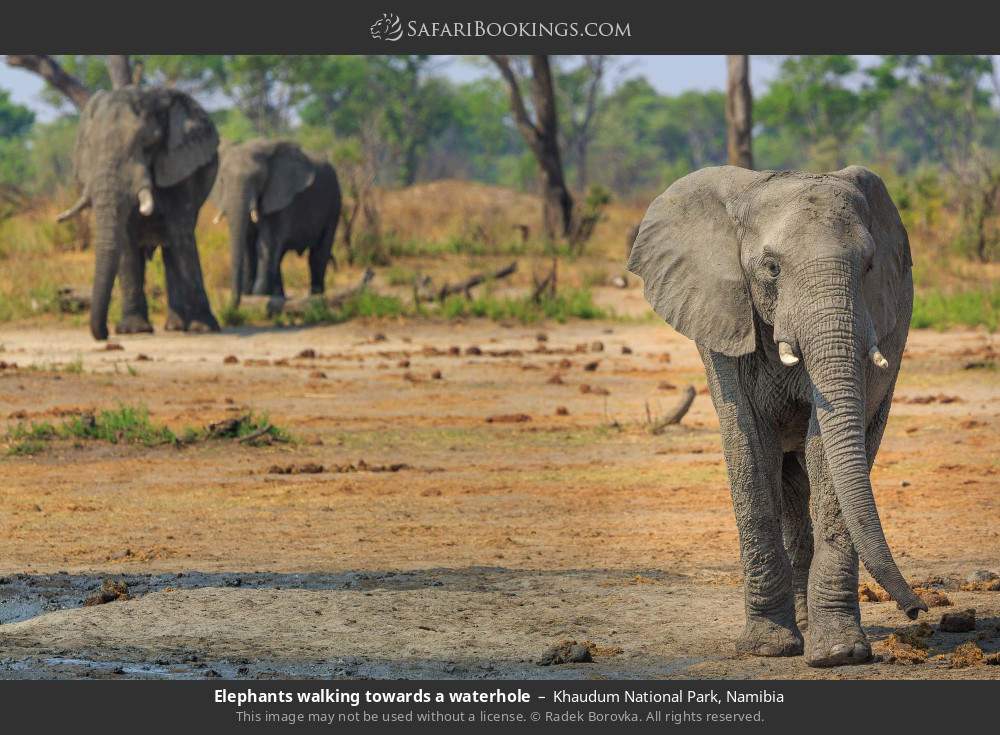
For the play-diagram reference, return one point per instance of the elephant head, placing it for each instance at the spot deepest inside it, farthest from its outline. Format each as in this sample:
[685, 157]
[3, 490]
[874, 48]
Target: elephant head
[822, 262]
[256, 179]
[133, 143]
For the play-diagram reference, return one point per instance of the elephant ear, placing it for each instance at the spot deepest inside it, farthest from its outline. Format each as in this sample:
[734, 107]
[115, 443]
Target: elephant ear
[85, 147]
[289, 173]
[884, 283]
[687, 253]
[191, 140]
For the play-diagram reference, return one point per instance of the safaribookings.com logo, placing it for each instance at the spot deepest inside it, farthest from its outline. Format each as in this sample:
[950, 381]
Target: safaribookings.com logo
[390, 28]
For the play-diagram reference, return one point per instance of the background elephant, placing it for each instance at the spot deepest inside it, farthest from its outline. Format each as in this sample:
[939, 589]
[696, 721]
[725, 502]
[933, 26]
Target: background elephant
[797, 290]
[276, 198]
[146, 159]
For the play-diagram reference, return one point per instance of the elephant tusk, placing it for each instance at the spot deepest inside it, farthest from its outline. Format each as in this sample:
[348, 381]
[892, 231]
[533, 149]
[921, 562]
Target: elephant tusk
[878, 358]
[254, 215]
[217, 219]
[145, 202]
[787, 355]
[82, 203]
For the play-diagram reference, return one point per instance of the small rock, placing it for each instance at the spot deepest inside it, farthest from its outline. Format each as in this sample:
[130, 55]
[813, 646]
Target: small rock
[473, 350]
[436, 375]
[143, 358]
[307, 354]
[597, 346]
[981, 575]
[666, 385]
[230, 360]
[562, 411]
[403, 364]
[556, 379]
[541, 337]
[111, 591]
[453, 350]
[959, 622]
[317, 375]
[565, 652]
[626, 350]
[619, 282]
[379, 337]
[591, 366]
[113, 347]
[904, 483]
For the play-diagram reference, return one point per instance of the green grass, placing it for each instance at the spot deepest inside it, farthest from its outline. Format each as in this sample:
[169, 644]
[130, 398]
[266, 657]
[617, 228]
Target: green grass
[74, 367]
[132, 425]
[367, 304]
[939, 309]
[569, 304]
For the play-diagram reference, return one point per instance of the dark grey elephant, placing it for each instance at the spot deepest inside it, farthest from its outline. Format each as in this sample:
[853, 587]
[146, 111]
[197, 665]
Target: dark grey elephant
[797, 290]
[146, 159]
[276, 198]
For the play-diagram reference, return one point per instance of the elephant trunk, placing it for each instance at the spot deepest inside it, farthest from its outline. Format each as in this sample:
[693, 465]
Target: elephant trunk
[110, 215]
[237, 209]
[833, 339]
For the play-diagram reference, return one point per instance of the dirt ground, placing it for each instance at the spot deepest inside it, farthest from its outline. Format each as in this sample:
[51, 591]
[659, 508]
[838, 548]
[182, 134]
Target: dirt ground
[563, 519]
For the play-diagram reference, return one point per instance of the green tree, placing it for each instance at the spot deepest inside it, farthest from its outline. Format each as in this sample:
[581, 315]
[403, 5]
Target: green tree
[942, 110]
[810, 114]
[16, 122]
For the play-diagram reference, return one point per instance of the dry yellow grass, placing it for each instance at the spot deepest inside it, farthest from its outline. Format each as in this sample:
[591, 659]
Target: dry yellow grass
[445, 229]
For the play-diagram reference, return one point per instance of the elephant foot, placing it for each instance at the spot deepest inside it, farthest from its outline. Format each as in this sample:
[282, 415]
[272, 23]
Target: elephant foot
[133, 324]
[836, 641]
[198, 326]
[275, 305]
[764, 637]
[174, 322]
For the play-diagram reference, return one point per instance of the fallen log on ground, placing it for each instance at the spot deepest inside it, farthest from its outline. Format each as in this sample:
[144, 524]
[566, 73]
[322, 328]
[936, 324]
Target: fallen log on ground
[465, 287]
[298, 307]
[675, 415]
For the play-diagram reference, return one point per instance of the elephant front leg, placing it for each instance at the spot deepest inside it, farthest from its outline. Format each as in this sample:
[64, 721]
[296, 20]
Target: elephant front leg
[132, 277]
[834, 636]
[754, 461]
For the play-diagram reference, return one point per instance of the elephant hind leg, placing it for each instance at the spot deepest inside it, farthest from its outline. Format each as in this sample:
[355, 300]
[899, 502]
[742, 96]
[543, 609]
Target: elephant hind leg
[796, 529]
[319, 255]
[189, 309]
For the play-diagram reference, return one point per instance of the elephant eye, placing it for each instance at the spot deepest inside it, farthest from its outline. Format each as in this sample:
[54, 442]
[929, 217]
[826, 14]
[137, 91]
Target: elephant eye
[772, 267]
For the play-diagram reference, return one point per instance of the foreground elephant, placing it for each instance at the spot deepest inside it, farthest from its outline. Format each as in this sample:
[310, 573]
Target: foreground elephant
[797, 290]
[146, 159]
[276, 199]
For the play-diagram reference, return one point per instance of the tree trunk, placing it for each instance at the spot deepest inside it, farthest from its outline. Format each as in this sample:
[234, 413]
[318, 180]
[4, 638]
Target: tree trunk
[120, 70]
[739, 111]
[48, 68]
[542, 136]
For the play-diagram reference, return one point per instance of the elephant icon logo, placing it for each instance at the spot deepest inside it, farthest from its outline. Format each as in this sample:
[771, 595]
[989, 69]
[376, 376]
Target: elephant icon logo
[387, 28]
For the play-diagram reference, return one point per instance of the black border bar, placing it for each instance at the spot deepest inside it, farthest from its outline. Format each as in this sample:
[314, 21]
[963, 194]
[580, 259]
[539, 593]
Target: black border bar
[337, 26]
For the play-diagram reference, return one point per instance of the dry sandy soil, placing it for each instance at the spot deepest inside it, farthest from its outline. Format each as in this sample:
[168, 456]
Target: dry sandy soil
[495, 541]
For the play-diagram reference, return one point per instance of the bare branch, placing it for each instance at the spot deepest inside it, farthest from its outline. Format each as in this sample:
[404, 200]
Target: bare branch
[50, 70]
[521, 116]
